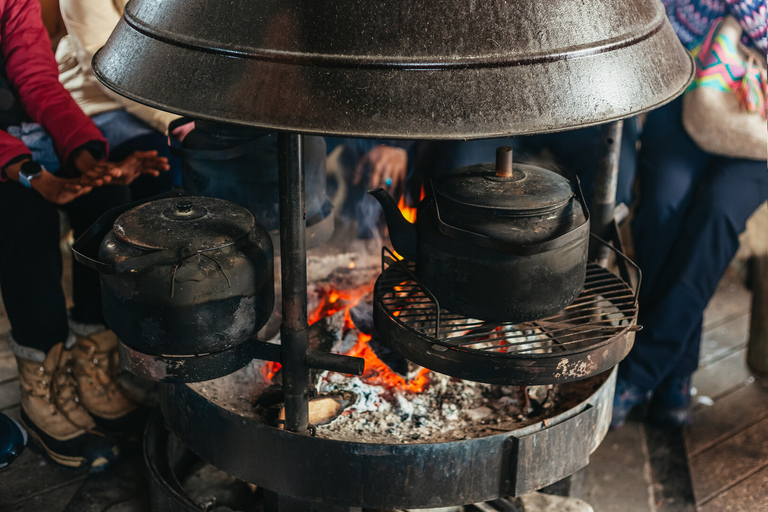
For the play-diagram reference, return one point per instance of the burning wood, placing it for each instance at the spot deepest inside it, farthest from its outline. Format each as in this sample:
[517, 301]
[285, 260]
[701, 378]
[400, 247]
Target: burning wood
[323, 410]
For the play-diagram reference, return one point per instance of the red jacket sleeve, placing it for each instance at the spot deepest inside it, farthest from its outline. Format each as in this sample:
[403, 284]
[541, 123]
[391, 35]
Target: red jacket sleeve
[33, 74]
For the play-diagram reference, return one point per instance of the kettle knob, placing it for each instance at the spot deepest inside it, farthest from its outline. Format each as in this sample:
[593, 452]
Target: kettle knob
[504, 162]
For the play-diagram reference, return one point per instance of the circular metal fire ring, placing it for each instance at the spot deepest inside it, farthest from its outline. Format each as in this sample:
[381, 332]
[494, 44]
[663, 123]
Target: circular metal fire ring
[590, 336]
[360, 474]
[168, 368]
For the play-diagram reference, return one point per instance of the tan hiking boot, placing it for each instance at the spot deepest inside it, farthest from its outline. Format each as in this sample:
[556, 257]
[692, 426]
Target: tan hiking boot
[95, 363]
[54, 416]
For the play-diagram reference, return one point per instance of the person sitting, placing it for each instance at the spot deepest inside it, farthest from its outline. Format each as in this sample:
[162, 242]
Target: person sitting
[128, 126]
[51, 155]
[693, 205]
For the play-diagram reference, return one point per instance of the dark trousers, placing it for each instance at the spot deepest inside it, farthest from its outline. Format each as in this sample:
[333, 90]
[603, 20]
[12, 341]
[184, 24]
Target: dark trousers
[30, 255]
[693, 206]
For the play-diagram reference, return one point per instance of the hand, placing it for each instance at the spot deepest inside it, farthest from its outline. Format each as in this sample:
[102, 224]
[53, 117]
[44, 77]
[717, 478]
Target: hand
[120, 173]
[53, 189]
[388, 166]
[137, 164]
[182, 131]
[59, 190]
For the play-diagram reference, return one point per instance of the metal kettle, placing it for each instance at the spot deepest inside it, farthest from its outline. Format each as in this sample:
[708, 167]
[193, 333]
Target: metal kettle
[497, 242]
[182, 275]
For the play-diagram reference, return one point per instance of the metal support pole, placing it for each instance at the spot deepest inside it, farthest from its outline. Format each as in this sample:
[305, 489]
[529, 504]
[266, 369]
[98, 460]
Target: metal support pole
[293, 253]
[606, 181]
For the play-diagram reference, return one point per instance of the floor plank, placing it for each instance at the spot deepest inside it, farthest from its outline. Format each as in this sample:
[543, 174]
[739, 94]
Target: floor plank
[723, 340]
[723, 376]
[728, 416]
[730, 299]
[722, 466]
[32, 475]
[750, 495]
[51, 501]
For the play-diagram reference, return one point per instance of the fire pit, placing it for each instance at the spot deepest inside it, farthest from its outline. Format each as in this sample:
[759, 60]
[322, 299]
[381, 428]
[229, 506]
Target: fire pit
[411, 438]
[498, 461]
[419, 71]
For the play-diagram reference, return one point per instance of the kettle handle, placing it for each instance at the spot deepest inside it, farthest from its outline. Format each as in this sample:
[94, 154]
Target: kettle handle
[85, 252]
[516, 250]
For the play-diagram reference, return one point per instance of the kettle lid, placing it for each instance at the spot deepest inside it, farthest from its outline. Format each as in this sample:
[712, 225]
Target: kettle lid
[522, 190]
[203, 222]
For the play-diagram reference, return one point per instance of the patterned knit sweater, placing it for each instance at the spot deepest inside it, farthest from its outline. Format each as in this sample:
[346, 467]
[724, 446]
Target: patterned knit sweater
[691, 19]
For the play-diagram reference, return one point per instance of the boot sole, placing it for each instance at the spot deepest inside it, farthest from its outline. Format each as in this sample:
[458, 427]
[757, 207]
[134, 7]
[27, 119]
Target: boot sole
[64, 460]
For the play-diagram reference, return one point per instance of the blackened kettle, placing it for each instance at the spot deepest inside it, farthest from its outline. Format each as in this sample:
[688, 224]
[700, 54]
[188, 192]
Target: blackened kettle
[185, 275]
[497, 242]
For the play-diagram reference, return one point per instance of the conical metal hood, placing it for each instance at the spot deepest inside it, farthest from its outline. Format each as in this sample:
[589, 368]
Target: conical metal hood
[398, 68]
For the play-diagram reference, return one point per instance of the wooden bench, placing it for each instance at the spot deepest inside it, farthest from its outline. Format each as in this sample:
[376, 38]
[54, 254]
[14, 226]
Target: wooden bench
[754, 250]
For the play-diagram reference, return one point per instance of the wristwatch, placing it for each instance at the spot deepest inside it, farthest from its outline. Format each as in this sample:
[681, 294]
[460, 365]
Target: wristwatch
[29, 171]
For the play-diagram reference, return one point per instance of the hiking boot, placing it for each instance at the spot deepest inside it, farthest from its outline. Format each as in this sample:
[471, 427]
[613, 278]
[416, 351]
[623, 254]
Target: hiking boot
[626, 397]
[671, 403]
[54, 417]
[95, 364]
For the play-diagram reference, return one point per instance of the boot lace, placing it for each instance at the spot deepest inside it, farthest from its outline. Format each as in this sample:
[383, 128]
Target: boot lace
[99, 368]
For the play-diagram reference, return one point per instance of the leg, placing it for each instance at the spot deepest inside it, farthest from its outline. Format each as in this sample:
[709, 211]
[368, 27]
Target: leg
[668, 346]
[86, 284]
[670, 167]
[30, 269]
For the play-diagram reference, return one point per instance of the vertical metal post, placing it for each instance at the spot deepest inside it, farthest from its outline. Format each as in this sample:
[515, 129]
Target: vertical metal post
[606, 181]
[293, 253]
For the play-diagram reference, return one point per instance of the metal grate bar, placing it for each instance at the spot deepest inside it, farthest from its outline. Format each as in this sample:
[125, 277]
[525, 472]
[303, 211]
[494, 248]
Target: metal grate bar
[606, 307]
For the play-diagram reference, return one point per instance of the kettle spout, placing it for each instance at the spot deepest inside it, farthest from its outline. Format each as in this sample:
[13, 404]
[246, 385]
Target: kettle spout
[401, 232]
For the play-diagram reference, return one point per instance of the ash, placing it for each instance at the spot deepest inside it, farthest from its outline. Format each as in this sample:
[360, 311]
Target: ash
[447, 409]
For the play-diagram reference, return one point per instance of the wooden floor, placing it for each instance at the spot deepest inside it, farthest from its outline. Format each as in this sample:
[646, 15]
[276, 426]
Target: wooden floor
[727, 444]
[636, 469]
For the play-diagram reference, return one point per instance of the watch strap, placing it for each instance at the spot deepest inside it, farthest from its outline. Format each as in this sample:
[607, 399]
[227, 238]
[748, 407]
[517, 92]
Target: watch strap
[29, 171]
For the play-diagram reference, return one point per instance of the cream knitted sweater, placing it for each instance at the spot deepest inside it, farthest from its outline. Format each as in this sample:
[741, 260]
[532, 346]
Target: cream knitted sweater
[89, 23]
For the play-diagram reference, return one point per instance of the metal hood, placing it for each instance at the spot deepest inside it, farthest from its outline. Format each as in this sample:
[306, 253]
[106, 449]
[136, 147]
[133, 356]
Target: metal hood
[422, 69]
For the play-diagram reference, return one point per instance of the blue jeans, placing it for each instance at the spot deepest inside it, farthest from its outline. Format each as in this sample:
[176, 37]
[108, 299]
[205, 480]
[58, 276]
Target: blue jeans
[693, 206]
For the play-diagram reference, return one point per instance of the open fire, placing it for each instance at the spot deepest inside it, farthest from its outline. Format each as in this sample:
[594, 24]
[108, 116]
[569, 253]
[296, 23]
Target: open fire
[395, 400]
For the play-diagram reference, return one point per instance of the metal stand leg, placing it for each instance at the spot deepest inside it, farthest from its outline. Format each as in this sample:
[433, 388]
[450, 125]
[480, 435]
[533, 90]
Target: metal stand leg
[606, 180]
[293, 253]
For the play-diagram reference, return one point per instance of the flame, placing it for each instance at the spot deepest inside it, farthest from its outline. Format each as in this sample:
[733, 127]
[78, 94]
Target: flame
[409, 213]
[269, 370]
[377, 372]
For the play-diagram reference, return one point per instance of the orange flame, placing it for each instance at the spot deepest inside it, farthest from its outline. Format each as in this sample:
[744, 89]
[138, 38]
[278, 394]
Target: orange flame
[377, 373]
[409, 213]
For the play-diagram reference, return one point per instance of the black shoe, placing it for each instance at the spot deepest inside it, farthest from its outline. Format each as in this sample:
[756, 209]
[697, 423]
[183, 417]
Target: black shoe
[91, 450]
[626, 397]
[671, 403]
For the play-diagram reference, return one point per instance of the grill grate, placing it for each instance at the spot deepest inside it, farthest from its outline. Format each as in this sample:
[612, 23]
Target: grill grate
[606, 309]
